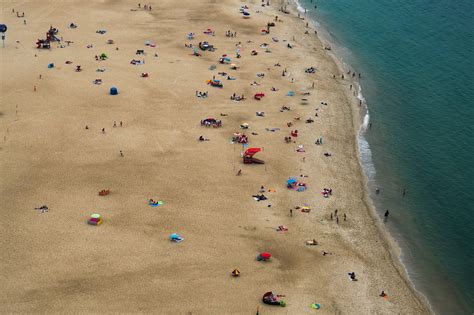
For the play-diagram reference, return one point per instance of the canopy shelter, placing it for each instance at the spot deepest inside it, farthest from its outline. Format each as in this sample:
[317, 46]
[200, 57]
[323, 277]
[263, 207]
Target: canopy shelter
[248, 156]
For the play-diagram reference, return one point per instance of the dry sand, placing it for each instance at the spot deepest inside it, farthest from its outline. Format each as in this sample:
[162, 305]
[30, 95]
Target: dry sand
[55, 262]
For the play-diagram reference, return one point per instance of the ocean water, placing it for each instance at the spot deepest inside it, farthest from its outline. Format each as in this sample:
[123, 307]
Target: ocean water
[417, 63]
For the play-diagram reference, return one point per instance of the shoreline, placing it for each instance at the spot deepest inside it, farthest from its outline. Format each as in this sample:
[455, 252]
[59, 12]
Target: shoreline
[59, 263]
[391, 244]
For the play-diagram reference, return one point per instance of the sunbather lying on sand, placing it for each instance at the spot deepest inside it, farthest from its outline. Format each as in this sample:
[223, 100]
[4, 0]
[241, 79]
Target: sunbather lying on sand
[312, 242]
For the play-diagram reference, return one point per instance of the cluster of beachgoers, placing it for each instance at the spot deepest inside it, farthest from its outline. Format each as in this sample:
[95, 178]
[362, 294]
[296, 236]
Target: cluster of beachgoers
[257, 54]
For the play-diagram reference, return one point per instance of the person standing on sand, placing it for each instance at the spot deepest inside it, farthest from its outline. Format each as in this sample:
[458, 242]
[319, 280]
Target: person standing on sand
[115, 124]
[120, 123]
[291, 212]
[121, 153]
[103, 130]
[386, 216]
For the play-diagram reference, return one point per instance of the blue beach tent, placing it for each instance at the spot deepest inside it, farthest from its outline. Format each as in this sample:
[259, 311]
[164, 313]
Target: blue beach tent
[113, 91]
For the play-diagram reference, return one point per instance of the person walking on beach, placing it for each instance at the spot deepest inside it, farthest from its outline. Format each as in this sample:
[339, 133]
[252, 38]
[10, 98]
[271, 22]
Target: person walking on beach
[115, 124]
[121, 153]
[120, 123]
[386, 216]
[291, 212]
[103, 130]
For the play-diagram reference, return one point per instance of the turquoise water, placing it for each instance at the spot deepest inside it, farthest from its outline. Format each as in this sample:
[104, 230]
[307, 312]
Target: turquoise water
[416, 60]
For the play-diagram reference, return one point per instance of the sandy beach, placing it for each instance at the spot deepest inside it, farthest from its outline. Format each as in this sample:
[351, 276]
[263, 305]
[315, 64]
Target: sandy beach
[53, 261]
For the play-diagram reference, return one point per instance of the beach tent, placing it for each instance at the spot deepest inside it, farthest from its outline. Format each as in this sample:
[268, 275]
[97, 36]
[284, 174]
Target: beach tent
[235, 273]
[264, 256]
[103, 56]
[51, 65]
[113, 91]
[176, 238]
[95, 219]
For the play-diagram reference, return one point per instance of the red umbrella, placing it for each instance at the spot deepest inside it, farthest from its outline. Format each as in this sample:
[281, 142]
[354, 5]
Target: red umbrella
[265, 255]
[252, 151]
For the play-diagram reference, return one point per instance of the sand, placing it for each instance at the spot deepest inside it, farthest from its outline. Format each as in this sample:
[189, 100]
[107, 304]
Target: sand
[55, 262]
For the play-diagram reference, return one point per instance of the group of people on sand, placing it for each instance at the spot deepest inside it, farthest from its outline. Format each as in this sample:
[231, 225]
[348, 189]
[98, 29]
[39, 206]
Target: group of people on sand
[202, 94]
[337, 216]
[146, 7]
[237, 98]
[230, 34]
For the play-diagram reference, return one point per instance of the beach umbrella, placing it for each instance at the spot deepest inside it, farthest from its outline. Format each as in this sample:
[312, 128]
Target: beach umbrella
[291, 181]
